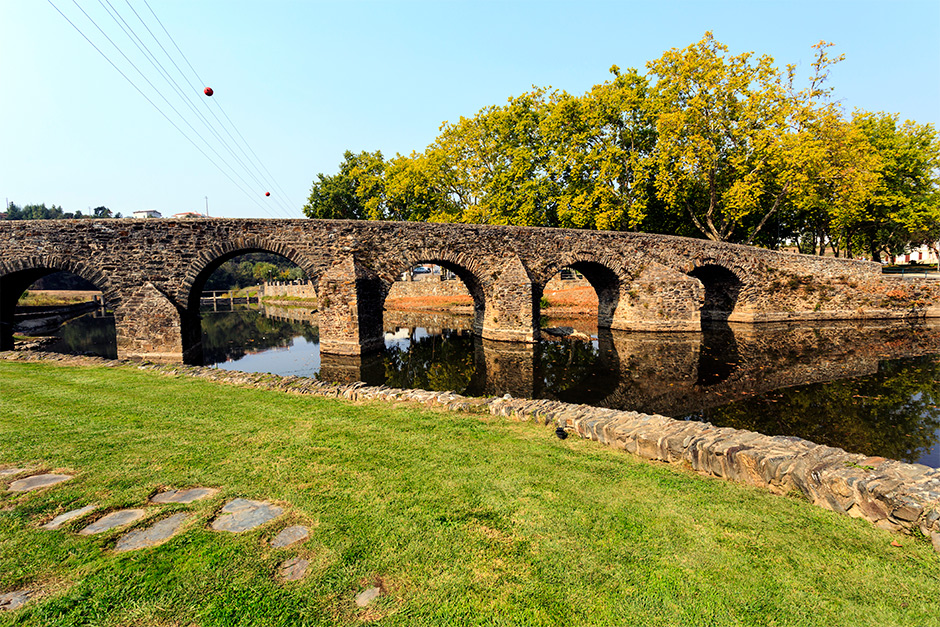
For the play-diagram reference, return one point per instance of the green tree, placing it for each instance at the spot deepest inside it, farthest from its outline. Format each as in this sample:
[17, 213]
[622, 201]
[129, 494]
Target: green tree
[719, 119]
[737, 142]
[495, 164]
[599, 147]
[264, 271]
[416, 188]
[904, 208]
[357, 192]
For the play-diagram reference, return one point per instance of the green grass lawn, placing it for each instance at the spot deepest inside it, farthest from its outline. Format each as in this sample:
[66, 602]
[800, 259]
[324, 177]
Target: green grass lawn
[464, 519]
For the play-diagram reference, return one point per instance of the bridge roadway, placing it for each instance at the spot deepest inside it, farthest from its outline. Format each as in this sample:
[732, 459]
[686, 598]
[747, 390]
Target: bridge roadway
[152, 273]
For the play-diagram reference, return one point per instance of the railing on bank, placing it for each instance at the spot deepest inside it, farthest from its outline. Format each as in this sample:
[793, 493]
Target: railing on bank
[913, 273]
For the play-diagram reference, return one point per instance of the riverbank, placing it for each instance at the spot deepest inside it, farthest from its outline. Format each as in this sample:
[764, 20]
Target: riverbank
[407, 499]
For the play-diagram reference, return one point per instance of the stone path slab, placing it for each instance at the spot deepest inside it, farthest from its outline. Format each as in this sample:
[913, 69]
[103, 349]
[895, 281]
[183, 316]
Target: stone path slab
[289, 536]
[6, 472]
[294, 569]
[154, 535]
[61, 519]
[112, 520]
[10, 601]
[184, 496]
[242, 514]
[367, 596]
[36, 482]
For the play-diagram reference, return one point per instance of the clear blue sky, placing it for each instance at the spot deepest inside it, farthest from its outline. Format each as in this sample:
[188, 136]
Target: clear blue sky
[304, 81]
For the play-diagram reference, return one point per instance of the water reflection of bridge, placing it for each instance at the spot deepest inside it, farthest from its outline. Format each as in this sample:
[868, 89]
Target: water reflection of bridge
[673, 374]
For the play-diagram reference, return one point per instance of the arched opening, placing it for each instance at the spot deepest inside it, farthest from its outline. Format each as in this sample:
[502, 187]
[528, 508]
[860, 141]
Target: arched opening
[722, 287]
[430, 315]
[56, 310]
[435, 286]
[581, 296]
[253, 310]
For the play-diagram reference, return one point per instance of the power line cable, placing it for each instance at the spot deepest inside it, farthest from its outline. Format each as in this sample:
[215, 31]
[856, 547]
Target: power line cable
[195, 89]
[199, 79]
[145, 50]
[151, 57]
[153, 104]
[152, 86]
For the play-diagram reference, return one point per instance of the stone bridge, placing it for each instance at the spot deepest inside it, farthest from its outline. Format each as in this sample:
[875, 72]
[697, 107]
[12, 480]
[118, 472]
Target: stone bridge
[152, 273]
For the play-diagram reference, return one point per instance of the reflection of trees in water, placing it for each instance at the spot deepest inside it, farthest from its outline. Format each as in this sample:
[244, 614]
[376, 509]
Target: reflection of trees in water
[893, 413]
[434, 362]
[232, 334]
[576, 372]
[91, 334]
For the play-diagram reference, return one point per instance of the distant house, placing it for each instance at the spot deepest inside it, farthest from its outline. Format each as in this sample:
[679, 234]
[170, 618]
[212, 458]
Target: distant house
[929, 254]
[186, 215]
[147, 214]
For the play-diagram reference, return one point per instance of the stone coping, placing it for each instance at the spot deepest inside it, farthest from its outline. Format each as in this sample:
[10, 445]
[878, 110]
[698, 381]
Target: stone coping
[891, 494]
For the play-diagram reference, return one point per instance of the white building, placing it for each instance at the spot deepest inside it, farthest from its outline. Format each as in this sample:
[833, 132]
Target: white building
[147, 214]
[926, 254]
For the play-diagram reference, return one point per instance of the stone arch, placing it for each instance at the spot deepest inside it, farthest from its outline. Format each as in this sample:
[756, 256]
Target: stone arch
[18, 274]
[723, 284]
[210, 259]
[469, 269]
[605, 272]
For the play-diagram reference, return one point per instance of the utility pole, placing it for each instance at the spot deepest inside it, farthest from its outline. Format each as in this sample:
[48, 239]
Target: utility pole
[207, 206]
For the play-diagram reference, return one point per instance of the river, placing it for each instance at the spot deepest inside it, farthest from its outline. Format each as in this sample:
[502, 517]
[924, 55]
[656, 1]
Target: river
[871, 387]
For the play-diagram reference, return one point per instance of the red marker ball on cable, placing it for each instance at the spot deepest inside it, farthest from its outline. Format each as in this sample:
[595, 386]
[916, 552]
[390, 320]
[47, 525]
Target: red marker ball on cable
[267, 193]
[207, 91]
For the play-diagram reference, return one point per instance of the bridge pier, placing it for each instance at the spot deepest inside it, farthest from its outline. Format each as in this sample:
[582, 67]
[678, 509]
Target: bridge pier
[149, 326]
[350, 303]
[660, 299]
[510, 306]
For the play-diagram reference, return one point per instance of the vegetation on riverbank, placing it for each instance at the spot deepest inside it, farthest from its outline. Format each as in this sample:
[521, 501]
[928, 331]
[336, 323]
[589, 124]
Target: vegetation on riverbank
[49, 298]
[465, 519]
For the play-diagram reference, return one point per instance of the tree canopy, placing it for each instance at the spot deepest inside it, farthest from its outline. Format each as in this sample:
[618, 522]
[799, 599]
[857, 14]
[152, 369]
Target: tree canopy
[42, 212]
[705, 144]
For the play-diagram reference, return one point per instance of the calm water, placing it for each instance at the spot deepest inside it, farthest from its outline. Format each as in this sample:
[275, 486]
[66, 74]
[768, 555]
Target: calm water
[866, 387]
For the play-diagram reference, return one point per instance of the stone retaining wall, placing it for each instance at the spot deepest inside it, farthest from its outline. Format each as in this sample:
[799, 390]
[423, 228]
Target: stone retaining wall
[893, 495]
[427, 285]
[307, 290]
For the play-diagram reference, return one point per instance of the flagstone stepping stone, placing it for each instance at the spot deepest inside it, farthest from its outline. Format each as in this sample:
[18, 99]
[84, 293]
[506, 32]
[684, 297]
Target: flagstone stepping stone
[61, 519]
[367, 596]
[184, 496]
[114, 519]
[37, 481]
[294, 569]
[154, 535]
[10, 601]
[6, 472]
[242, 514]
[289, 536]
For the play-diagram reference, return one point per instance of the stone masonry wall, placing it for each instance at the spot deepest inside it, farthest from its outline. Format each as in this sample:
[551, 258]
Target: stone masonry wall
[506, 269]
[306, 290]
